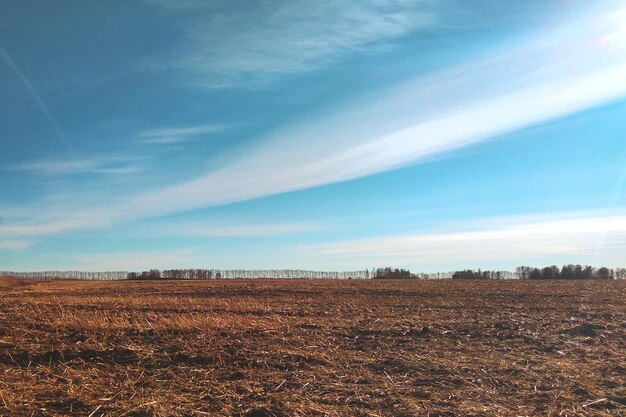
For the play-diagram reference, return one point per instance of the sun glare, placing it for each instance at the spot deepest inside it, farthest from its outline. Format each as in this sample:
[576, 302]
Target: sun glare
[616, 34]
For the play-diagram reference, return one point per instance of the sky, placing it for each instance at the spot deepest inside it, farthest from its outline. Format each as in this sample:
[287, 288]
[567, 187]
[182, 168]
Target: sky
[432, 135]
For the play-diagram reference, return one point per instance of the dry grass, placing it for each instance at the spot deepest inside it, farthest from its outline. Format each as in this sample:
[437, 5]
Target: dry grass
[312, 348]
[8, 282]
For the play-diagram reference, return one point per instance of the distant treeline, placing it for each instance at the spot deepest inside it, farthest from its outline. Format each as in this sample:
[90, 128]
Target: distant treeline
[396, 273]
[521, 272]
[245, 273]
[87, 275]
[391, 273]
[570, 272]
[549, 272]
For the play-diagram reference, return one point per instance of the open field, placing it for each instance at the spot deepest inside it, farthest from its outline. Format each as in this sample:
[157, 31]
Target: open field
[313, 348]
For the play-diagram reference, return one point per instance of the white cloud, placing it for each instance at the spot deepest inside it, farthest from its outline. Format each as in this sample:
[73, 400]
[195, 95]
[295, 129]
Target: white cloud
[573, 68]
[229, 45]
[566, 71]
[573, 236]
[97, 165]
[52, 227]
[180, 134]
[14, 244]
[245, 230]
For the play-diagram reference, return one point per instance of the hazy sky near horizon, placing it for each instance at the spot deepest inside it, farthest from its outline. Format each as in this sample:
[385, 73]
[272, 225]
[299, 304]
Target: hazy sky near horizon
[426, 134]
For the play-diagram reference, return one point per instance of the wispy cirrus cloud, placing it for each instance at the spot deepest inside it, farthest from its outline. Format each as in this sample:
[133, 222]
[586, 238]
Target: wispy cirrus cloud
[168, 135]
[573, 68]
[229, 45]
[15, 244]
[199, 229]
[96, 165]
[576, 67]
[52, 226]
[594, 237]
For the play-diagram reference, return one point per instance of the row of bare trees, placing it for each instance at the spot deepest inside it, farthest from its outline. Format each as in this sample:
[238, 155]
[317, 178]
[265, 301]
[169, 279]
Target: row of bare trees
[396, 273]
[570, 272]
[471, 274]
[392, 273]
[87, 275]
[246, 273]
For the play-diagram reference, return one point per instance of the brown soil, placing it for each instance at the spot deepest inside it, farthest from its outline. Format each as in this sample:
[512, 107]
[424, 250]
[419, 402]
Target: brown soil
[313, 348]
[8, 282]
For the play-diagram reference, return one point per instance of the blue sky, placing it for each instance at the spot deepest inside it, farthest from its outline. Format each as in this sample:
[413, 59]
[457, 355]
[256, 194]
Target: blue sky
[427, 134]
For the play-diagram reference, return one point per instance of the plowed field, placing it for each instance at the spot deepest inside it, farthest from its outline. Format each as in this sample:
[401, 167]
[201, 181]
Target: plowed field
[313, 348]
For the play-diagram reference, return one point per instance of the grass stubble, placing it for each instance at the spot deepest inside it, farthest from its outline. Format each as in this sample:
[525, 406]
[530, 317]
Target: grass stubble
[258, 348]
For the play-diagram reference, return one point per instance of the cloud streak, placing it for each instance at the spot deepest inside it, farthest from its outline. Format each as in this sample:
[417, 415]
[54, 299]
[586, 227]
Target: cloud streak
[578, 67]
[98, 165]
[226, 45]
[564, 236]
[575, 67]
[244, 230]
[14, 244]
[180, 134]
